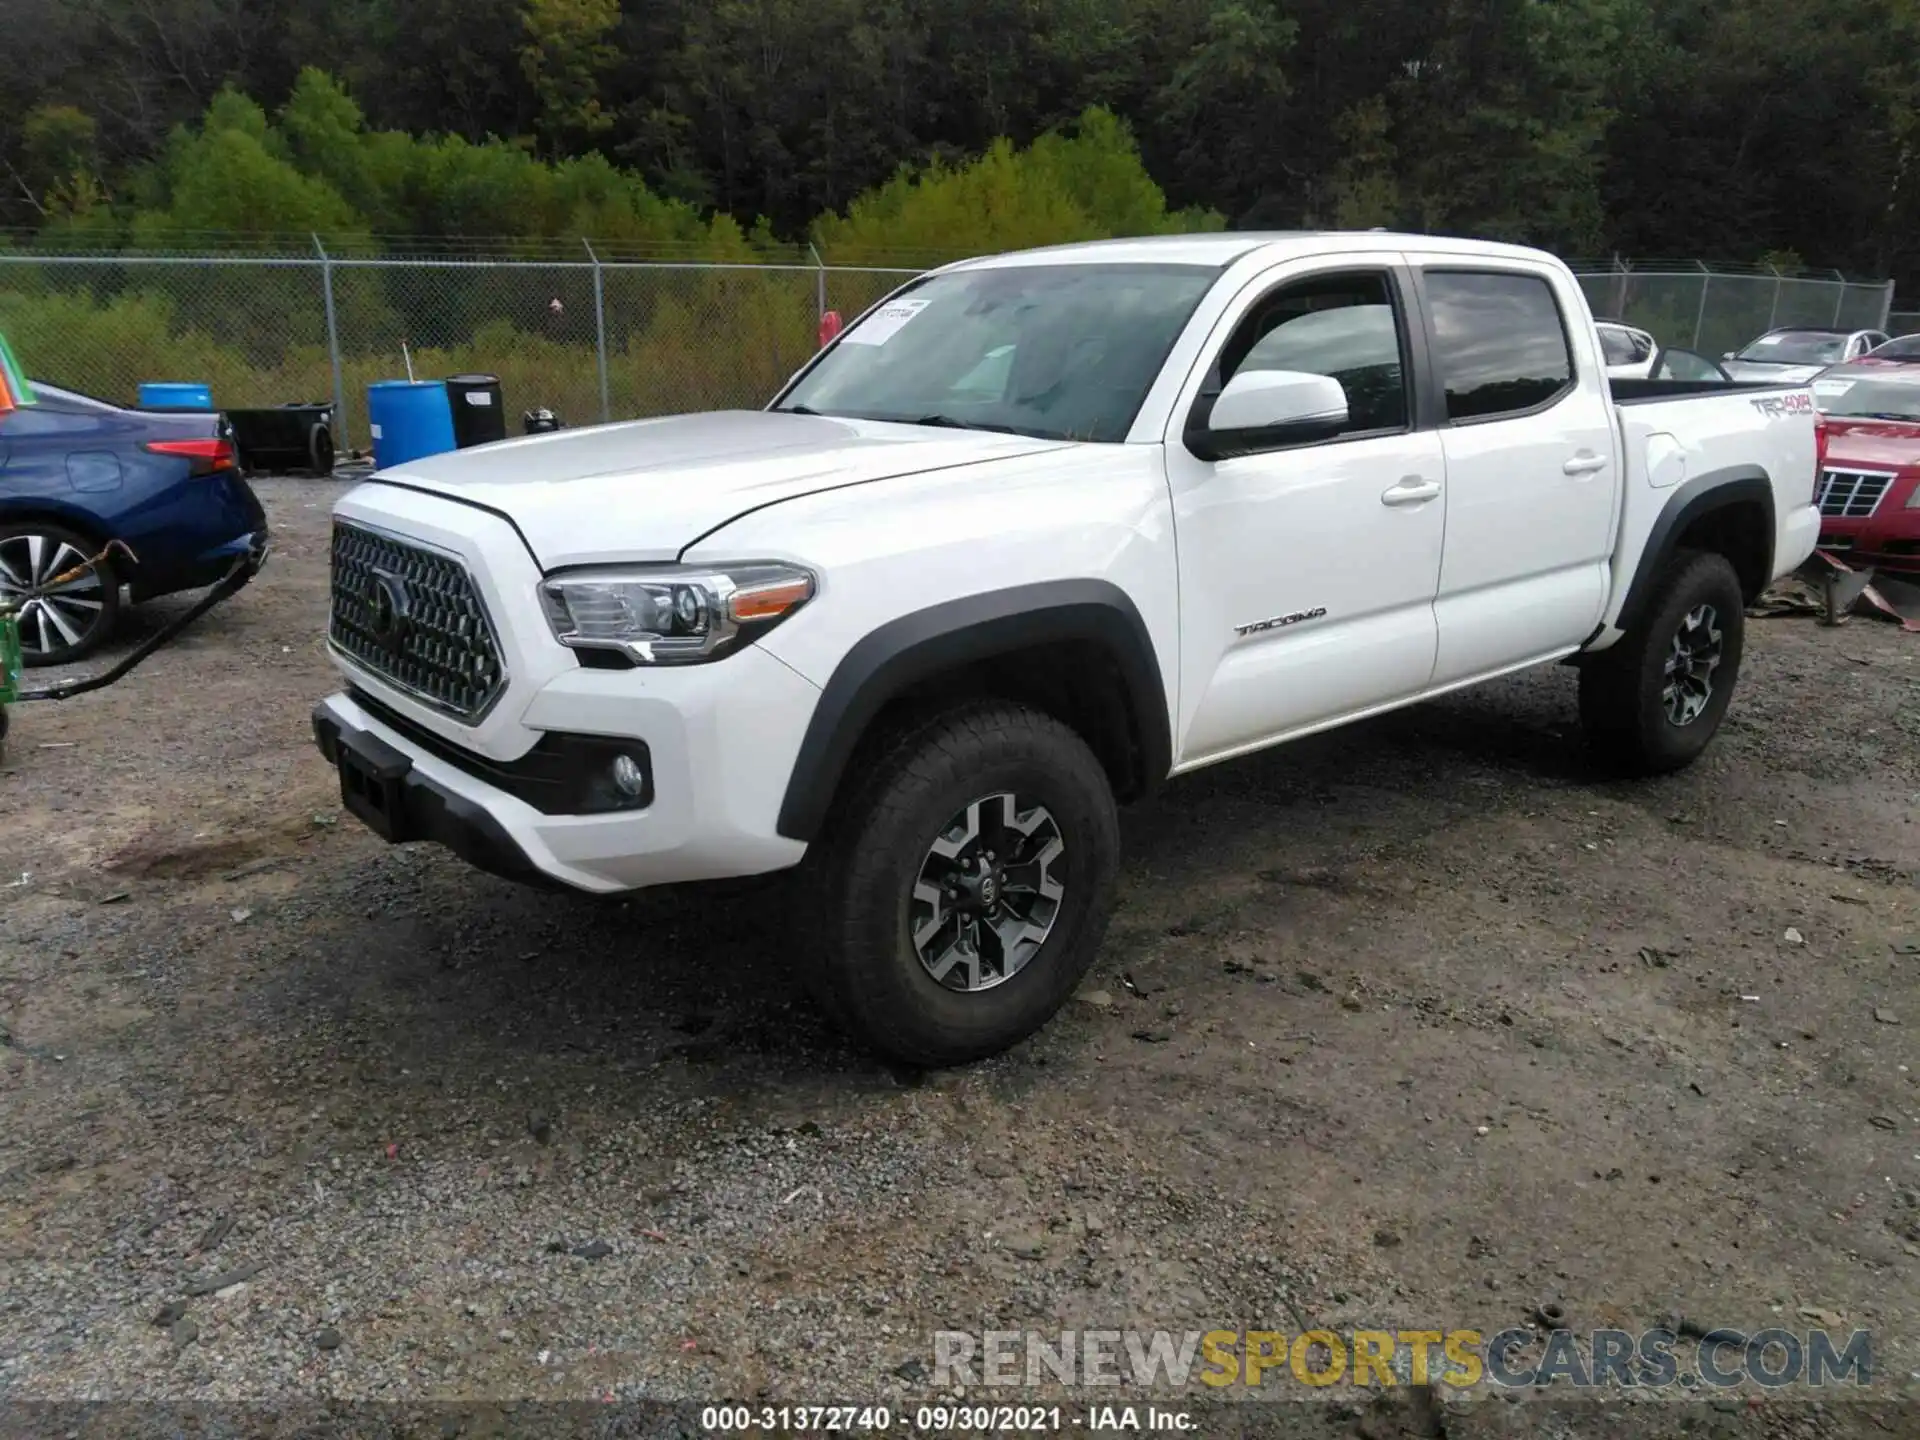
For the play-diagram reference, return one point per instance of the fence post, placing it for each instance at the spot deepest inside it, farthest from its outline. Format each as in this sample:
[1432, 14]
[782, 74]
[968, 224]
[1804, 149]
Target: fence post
[1619, 289]
[1700, 315]
[1773, 315]
[1886, 305]
[1839, 302]
[599, 329]
[819, 283]
[333, 345]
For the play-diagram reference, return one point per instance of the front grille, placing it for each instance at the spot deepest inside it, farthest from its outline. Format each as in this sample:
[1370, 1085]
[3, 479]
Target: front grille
[1851, 494]
[412, 616]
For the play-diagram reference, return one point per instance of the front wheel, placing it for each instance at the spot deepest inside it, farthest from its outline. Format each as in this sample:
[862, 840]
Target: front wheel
[965, 885]
[1650, 704]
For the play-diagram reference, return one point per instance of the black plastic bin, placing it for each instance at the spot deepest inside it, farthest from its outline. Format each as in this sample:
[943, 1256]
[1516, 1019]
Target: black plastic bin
[479, 417]
[285, 438]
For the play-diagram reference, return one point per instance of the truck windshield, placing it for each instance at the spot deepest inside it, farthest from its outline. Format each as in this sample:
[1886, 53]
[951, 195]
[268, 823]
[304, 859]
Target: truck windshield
[1065, 352]
[1795, 347]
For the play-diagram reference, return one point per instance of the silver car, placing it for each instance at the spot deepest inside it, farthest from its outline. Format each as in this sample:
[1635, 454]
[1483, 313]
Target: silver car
[1794, 355]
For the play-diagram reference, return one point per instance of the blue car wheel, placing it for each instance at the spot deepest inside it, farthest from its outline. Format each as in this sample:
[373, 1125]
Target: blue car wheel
[63, 622]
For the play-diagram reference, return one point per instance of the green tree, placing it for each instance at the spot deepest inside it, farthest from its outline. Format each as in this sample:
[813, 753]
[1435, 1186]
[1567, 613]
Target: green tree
[324, 135]
[1218, 105]
[229, 179]
[1086, 185]
[59, 158]
[1364, 189]
[565, 52]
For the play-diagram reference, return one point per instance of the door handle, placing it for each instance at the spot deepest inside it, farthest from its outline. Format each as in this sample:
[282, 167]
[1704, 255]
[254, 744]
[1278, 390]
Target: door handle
[1584, 465]
[1412, 490]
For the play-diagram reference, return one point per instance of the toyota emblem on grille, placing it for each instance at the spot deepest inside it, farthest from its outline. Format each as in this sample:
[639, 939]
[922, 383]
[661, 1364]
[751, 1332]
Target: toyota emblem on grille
[392, 615]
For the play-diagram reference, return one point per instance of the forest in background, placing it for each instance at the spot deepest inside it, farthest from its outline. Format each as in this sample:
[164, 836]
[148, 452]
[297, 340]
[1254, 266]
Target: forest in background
[1741, 132]
[880, 133]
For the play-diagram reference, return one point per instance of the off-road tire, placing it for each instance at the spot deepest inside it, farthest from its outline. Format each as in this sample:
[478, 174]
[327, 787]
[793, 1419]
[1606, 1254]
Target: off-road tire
[860, 878]
[1625, 708]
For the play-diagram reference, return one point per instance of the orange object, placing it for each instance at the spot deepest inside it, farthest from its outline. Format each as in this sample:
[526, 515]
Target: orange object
[769, 601]
[830, 326]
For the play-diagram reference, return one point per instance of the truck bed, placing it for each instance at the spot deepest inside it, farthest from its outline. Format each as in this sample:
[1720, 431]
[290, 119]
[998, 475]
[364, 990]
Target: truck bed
[1680, 433]
[1641, 392]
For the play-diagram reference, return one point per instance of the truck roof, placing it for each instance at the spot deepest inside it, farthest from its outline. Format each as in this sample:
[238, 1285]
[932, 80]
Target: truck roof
[1221, 249]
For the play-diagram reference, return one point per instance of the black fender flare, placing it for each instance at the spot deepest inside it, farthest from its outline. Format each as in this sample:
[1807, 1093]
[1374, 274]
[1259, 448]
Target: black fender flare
[1694, 499]
[925, 643]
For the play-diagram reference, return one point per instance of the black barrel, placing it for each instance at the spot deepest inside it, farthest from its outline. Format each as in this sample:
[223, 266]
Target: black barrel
[479, 417]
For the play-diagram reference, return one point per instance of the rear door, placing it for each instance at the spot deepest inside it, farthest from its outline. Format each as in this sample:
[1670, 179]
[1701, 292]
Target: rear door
[1532, 463]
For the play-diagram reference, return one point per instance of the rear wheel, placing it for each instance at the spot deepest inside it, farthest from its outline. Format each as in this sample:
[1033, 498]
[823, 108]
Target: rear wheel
[966, 884]
[60, 620]
[1652, 702]
[320, 451]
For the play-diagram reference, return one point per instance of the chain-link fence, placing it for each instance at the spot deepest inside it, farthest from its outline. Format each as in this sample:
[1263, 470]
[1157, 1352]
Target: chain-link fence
[597, 340]
[1687, 306]
[1903, 322]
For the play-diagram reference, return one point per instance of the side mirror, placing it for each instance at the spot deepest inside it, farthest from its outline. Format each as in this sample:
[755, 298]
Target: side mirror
[1728, 356]
[1262, 407]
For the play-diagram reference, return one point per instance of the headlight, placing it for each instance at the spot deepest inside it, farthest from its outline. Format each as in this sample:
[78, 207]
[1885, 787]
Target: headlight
[673, 614]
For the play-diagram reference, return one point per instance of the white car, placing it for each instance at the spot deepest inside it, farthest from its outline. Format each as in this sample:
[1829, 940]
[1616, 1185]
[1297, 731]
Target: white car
[1035, 534]
[1794, 356]
[1901, 350]
[1629, 353]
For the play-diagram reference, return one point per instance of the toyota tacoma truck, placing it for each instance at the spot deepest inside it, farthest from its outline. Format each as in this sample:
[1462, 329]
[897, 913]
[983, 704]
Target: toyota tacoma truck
[1032, 535]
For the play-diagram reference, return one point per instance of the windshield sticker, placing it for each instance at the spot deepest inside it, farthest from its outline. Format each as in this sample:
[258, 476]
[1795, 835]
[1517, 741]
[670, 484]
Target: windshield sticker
[884, 323]
[1832, 387]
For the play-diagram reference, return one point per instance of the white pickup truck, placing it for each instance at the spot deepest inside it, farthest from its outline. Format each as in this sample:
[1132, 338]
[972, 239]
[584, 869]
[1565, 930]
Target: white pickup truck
[1034, 534]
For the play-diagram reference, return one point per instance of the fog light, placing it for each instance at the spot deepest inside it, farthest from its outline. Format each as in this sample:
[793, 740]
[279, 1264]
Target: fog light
[628, 778]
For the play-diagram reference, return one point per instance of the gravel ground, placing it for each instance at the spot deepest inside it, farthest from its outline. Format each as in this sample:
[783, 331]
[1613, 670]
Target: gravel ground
[1412, 1026]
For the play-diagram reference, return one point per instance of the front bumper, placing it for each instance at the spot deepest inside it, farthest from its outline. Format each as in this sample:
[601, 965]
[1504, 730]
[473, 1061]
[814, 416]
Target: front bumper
[399, 803]
[1882, 541]
[720, 742]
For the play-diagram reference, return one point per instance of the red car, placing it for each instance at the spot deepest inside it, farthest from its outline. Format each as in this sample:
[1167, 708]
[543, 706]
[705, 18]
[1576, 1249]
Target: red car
[1869, 435]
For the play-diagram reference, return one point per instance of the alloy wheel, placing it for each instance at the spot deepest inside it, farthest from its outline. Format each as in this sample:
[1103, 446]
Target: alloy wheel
[53, 617]
[1691, 660]
[988, 892]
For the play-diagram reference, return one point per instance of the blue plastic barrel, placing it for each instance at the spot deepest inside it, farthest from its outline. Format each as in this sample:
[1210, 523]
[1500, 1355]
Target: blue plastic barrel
[175, 395]
[409, 419]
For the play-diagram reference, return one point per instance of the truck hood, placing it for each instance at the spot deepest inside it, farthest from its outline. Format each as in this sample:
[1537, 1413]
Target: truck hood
[1771, 374]
[646, 489]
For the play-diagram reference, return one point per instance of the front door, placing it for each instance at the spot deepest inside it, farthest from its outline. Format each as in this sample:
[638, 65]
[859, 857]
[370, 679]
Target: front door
[1307, 572]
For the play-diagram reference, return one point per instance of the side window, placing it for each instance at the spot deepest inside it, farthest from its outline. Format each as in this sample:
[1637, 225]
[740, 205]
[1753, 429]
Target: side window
[1345, 326]
[1499, 343]
[1617, 347]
